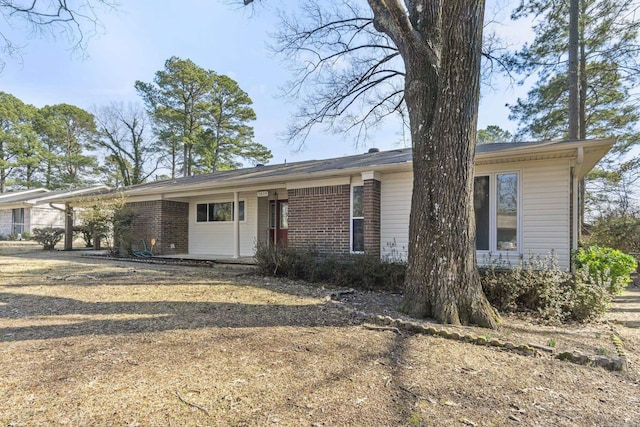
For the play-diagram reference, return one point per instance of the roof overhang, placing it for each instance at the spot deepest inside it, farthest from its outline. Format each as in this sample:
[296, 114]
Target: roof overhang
[582, 154]
[49, 198]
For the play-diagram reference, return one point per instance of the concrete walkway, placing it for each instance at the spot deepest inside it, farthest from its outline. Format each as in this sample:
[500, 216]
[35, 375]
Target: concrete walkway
[624, 316]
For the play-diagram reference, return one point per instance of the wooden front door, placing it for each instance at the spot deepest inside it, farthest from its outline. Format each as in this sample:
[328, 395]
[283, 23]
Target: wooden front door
[279, 222]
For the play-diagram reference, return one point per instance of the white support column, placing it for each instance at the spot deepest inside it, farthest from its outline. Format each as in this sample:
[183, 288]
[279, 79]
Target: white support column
[236, 225]
[575, 223]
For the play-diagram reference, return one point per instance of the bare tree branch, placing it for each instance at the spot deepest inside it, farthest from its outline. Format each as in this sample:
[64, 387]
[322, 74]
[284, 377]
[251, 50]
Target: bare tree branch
[79, 22]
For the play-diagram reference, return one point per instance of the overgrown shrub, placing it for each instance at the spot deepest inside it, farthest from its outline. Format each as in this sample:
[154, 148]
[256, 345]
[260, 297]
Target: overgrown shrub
[109, 221]
[48, 237]
[540, 286]
[537, 285]
[607, 265]
[353, 270]
[591, 295]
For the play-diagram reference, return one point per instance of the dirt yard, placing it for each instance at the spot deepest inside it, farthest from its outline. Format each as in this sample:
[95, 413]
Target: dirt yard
[91, 341]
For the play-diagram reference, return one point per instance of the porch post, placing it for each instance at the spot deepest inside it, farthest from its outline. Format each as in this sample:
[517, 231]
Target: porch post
[68, 227]
[236, 225]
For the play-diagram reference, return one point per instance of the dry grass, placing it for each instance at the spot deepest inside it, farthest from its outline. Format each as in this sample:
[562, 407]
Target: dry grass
[118, 343]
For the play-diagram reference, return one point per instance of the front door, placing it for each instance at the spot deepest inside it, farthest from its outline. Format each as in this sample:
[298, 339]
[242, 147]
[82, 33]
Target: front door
[279, 221]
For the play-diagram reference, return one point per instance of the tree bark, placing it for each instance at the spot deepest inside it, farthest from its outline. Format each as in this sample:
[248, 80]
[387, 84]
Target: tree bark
[440, 44]
[574, 115]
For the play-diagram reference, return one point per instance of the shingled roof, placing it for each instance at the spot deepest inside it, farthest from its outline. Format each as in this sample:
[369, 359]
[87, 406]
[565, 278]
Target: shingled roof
[384, 161]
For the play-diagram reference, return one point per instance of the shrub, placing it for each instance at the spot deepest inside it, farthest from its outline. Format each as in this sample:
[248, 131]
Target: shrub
[86, 233]
[606, 264]
[26, 235]
[537, 285]
[353, 270]
[591, 295]
[48, 237]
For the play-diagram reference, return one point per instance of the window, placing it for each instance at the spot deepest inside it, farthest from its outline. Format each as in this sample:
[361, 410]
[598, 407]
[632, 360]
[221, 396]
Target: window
[357, 218]
[495, 199]
[481, 205]
[284, 215]
[507, 212]
[218, 212]
[17, 219]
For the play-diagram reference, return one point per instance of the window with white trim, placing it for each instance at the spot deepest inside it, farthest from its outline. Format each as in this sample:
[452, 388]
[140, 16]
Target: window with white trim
[497, 212]
[17, 220]
[357, 218]
[218, 211]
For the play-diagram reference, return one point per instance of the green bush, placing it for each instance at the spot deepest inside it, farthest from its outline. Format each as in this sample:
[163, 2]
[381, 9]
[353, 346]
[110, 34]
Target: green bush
[353, 270]
[48, 237]
[606, 264]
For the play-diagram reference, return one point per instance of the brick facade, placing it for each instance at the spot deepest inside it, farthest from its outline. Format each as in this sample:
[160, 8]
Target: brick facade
[166, 221]
[319, 217]
[372, 217]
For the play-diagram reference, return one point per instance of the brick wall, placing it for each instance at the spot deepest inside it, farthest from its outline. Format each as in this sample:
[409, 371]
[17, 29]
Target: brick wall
[319, 217]
[166, 221]
[372, 217]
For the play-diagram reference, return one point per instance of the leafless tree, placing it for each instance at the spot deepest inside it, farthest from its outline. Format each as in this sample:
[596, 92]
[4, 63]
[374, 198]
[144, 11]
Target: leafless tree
[361, 62]
[78, 21]
[124, 134]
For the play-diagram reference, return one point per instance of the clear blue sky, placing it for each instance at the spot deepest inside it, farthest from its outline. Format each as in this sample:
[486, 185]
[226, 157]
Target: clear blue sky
[216, 35]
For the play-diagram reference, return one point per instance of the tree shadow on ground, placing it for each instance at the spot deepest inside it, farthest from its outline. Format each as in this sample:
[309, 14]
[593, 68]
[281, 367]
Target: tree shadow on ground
[151, 316]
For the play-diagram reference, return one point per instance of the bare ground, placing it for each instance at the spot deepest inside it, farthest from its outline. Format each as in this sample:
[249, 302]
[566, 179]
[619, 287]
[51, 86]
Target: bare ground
[87, 341]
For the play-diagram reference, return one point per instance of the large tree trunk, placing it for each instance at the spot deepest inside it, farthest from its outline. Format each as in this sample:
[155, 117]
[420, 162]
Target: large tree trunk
[442, 69]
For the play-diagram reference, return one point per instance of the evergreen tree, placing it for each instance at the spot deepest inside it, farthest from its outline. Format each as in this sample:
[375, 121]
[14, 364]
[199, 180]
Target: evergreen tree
[493, 134]
[176, 102]
[227, 137]
[18, 147]
[67, 133]
[203, 114]
[607, 71]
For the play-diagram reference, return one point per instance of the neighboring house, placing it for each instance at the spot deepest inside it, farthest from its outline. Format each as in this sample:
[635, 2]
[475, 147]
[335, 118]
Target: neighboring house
[23, 211]
[526, 199]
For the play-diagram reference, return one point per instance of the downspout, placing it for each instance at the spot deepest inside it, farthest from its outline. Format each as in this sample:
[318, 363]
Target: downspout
[574, 216]
[575, 192]
[236, 225]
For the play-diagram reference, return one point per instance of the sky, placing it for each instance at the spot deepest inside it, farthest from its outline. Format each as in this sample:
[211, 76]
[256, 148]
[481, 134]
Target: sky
[141, 35]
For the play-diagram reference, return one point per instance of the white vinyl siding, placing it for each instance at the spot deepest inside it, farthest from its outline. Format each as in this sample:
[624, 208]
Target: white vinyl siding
[395, 206]
[216, 238]
[545, 192]
[41, 217]
[546, 215]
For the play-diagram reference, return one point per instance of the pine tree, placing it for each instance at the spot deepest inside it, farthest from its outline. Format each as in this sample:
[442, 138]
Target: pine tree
[18, 146]
[67, 132]
[607, 71]
[203, 114]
